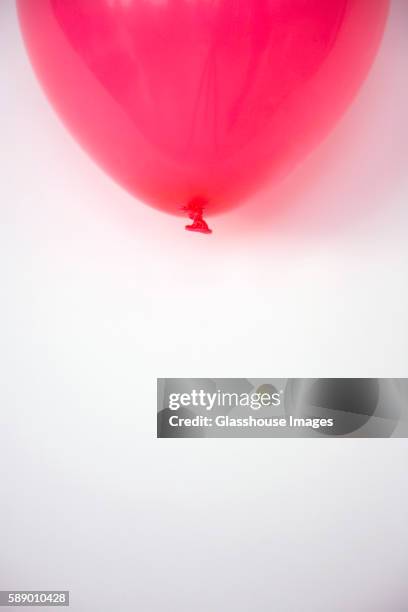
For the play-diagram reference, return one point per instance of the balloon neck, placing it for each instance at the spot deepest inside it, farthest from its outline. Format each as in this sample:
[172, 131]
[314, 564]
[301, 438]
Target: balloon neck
[195, 211]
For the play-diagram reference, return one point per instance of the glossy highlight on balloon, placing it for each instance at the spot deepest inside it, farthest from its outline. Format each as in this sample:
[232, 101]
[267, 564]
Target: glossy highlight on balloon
[193, 105]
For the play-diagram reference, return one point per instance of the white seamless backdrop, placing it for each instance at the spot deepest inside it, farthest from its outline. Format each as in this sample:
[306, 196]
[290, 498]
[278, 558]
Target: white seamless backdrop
[101, 294]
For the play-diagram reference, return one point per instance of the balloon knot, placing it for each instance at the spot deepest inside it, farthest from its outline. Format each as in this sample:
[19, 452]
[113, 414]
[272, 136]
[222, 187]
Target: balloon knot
[195, 210]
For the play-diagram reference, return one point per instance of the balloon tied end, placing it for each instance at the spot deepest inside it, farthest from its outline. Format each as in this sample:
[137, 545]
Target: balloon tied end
[195, 210]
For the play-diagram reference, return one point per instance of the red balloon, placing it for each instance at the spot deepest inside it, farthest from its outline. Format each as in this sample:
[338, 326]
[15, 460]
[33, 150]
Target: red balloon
[193, 104]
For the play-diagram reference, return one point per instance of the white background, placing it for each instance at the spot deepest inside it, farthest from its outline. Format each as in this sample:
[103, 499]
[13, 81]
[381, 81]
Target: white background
[101, 294]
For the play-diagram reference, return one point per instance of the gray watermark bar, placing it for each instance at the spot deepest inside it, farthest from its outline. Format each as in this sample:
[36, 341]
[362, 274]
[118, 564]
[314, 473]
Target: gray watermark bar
[282, 407]
[34, 598]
